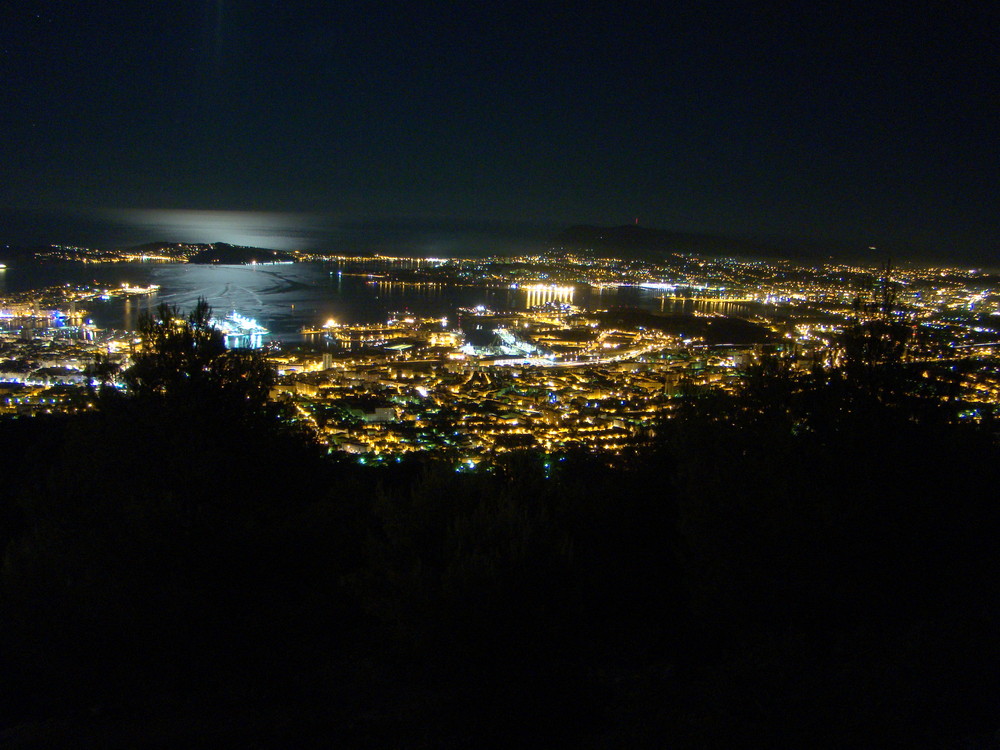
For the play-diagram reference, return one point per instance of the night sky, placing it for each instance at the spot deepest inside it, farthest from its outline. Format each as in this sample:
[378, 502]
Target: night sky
[854, 126]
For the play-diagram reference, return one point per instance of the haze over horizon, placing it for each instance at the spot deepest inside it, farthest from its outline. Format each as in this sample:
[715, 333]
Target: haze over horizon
[436, 126]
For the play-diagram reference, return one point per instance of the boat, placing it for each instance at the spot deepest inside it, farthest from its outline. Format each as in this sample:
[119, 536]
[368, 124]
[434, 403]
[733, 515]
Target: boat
[239, 331]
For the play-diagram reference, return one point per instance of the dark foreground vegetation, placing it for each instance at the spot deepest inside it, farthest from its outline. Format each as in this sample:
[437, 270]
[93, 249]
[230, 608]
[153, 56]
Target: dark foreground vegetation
[812, 564]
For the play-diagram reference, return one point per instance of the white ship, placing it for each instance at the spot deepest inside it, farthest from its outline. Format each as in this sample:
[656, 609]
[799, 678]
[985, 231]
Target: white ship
[240, 331]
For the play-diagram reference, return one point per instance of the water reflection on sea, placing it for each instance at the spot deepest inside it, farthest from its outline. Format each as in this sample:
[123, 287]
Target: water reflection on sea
[286, 298]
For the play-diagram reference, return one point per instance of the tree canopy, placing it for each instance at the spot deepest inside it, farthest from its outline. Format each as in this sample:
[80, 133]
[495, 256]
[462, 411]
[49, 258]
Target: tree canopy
[794, 566]
[181, 357]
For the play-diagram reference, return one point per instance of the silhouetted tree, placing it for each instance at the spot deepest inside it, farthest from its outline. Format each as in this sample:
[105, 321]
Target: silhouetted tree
[875, 344]
[187, 358]
[103, 369]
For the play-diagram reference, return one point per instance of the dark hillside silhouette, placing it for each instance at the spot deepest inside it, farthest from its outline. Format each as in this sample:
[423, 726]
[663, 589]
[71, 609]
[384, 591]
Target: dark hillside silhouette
[807, 564]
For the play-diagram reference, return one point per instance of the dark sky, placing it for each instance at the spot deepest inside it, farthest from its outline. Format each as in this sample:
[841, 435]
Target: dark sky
[858, 125]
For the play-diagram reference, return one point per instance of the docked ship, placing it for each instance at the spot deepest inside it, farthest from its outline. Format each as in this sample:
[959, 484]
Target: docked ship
[130, 290]
[240, 332]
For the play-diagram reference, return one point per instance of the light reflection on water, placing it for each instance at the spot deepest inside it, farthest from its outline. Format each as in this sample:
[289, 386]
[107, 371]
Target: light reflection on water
[286, 298]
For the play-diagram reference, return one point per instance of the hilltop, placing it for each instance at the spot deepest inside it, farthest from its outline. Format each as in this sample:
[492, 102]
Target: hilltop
[631, 240]
[224, 254]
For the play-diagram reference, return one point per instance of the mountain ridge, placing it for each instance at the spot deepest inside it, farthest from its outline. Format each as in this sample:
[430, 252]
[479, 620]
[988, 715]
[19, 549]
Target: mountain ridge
[644, 241]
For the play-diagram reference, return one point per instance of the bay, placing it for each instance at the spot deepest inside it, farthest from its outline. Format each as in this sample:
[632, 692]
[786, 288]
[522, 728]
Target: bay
[286, 298]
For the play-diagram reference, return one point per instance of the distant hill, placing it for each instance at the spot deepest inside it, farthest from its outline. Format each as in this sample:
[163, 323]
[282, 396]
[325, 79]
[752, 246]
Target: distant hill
[155, 248]
[11, 253]
[640, 241]
[192, 252]
[232, 255]
[17, 254]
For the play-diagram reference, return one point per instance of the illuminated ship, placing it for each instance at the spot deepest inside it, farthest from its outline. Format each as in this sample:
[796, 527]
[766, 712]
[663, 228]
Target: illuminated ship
[556, 307]
[128, 290]
[240, 332]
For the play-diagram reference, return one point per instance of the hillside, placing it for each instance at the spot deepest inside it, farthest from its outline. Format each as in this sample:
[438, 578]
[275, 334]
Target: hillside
[647, 242]
[224, 254]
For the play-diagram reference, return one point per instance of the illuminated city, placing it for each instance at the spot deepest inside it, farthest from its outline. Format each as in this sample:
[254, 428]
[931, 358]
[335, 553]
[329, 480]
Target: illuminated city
[552, 375]
[471, 376]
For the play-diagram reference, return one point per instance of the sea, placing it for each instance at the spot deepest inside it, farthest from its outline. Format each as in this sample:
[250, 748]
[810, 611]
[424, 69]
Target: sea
[286, 298]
